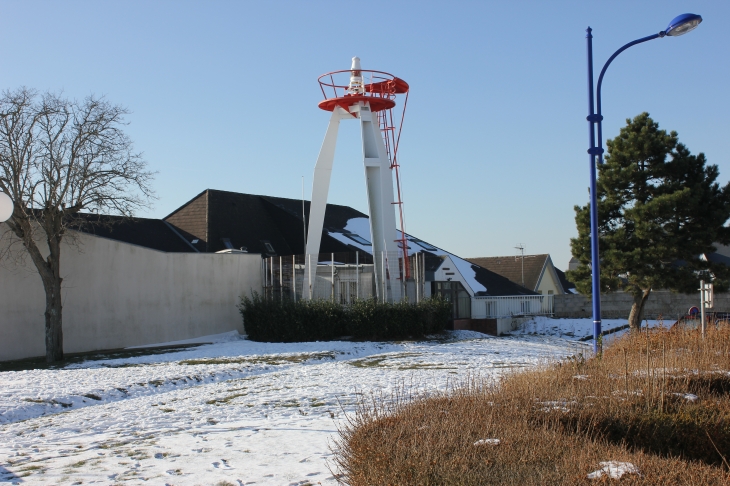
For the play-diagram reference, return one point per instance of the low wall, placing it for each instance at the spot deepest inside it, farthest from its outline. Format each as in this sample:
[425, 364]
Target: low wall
[494, 327]
[486, 326]
[506, 325]
[616, 305]
[117, 295]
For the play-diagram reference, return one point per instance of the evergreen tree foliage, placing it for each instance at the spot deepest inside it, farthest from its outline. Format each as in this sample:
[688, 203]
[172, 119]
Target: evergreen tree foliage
[660, 209]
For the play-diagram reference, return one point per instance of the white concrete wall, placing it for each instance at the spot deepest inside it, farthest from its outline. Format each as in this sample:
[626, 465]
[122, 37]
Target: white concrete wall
[117, 295]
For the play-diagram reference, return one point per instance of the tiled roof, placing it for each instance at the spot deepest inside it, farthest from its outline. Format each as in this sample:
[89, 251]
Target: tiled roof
[511, 267]
[497, 285]
[219, 218]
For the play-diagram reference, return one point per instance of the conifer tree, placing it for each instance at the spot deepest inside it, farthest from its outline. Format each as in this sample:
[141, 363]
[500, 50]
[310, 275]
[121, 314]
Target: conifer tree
[660, 210]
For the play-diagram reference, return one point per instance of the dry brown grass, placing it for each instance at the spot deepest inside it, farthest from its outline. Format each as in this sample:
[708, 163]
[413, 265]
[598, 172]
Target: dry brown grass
[557, 423]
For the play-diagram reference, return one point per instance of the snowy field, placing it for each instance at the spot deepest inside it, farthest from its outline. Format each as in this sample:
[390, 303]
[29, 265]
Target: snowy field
[234, 412]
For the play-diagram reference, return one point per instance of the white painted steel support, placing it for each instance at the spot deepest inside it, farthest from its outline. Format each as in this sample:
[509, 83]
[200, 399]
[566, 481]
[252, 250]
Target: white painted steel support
[379, 181]
[294, 278]
[320, 189]
[379, 178]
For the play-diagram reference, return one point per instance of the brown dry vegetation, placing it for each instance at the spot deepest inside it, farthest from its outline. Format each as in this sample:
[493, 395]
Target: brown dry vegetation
[557, 423]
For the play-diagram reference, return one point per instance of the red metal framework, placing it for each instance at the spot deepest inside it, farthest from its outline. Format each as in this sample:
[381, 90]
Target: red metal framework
[380, 92]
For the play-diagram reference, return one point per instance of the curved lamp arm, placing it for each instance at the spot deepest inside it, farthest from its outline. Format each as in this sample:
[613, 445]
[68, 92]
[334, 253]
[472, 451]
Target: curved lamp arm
[599, 117]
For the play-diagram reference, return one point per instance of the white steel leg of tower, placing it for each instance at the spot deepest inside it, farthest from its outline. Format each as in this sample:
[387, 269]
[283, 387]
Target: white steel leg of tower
[379, 179]
[320, 189]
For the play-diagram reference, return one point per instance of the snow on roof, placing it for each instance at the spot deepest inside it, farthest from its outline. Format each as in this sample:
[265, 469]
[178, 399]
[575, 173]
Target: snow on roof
[361, 228]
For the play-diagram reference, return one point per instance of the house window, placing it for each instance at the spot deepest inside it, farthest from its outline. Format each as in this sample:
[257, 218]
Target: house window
[269, 247]
[358, 239]
[424, 245]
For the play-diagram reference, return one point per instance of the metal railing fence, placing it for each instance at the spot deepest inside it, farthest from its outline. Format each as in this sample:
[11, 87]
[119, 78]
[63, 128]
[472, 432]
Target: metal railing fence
[509, 306]
[344, 277]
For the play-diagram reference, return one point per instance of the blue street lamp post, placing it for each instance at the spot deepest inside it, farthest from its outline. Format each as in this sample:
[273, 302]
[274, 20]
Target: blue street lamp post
[678, 26]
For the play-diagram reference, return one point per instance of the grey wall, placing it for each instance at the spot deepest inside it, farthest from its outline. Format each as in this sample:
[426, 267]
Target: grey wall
[616, 305]
[117, 295]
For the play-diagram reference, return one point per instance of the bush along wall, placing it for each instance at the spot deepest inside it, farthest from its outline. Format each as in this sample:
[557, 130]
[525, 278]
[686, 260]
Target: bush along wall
[322, 320]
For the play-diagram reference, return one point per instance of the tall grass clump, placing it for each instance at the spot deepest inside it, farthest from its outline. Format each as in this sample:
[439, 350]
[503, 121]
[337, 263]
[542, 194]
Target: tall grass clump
[659, 400]
[285, 320]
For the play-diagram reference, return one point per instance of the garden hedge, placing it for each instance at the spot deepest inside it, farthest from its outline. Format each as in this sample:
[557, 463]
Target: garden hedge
[272, 320]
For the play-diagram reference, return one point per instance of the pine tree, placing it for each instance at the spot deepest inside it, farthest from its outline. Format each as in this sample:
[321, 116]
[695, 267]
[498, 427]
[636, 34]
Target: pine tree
[660, 209]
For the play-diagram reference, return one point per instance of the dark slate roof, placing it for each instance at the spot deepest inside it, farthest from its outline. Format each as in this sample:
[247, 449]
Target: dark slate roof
[567, 284]
[721, 255]
[150, 233]
[250, 220]
[511, 267]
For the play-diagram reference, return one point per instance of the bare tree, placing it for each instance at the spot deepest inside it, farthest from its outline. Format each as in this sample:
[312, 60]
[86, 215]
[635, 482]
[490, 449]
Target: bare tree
[57, 158]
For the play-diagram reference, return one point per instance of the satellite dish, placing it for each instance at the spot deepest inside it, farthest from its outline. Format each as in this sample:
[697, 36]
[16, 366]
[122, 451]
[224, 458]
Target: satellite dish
[6, 207]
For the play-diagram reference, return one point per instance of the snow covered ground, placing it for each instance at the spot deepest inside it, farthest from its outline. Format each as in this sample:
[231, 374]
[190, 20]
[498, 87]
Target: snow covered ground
[235, 411]
[580, 329]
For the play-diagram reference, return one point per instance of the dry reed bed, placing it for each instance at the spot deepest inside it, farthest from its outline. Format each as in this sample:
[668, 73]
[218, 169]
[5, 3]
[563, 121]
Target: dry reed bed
[659, 400]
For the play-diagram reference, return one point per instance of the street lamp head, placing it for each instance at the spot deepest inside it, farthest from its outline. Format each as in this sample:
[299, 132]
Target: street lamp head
[682, 24]
[6, 207]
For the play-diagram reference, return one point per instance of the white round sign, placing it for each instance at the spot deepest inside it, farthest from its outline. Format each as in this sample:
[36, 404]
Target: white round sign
[6, 207]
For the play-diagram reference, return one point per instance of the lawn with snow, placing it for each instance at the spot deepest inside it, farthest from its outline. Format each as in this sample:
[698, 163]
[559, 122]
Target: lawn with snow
[232, 412]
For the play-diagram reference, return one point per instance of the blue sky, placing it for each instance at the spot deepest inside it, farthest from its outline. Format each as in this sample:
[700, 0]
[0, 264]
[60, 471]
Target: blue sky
[224, 95]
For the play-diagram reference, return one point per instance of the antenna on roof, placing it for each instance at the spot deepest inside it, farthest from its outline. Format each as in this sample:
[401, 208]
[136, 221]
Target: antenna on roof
[522, 249]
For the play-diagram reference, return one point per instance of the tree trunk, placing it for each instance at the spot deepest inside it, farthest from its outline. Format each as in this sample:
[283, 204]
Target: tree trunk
[54, 329]
[637, 309]
[54, 317]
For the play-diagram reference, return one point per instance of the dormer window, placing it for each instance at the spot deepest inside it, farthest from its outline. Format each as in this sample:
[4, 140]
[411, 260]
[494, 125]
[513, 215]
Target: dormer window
[358, 239]
[269, 247]
[424, 245]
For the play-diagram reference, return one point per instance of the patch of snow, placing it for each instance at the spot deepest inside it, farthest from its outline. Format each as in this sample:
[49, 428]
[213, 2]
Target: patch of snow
[361, 227]
[614, 470]
[690, 397]
[358, 226]
[577, 329]
[559, 405]
[487, 442]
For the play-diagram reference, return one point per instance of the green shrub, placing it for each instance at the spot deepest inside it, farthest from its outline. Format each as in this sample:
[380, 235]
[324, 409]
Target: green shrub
[321, 320]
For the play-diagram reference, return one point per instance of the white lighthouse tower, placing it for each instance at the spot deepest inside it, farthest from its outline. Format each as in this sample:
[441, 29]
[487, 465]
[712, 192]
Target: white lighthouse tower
[368, 97]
